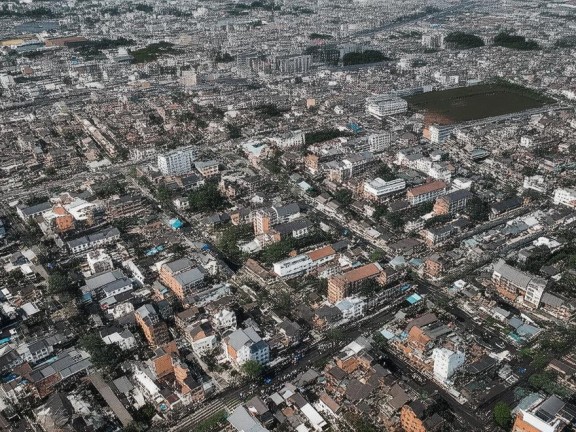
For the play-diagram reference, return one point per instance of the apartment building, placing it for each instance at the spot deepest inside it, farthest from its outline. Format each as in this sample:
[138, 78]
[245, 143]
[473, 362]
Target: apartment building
[207, 168]
[177, 162]
[124, 206]
[243, 345]
[426, 192]
[155, 330]
[292, 139]
[349, 166]
[452, 202]
[181, 277]
[379, 142]
[293, 64]
[265, 219]
[100, 238]
[304, 263]
[346, 284]
[377, 189]
[512, 283]
[565, 196]
[549, 415]
[417, 417]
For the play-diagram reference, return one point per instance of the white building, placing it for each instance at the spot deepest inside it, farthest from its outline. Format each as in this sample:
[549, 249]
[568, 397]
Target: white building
[352, 308]
[244, 345]
[446, 362]
[462, 183]
[177, 162]
[565, 196]
[123, 338]
[225, 319]
[290, 139]
[535, 182]
[99, 261]
[439, 134]
[293, 266]
[378, 188]
[379, 142]
[385, 105]
[188, 78]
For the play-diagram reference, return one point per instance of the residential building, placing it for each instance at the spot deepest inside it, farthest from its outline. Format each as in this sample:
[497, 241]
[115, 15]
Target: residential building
[433, 40]
[377, 189]
[417, 417]
[512, 283]
[245, 344]
[99, 261]
[292, 139]
[379, 142]
[177, 162]
[125, 206]
[207, 168]
[304, 263]
[26, 212]
[535, 182]
[154, 329]
[565, 196]
[101, 286]
[265, 219]
[434, 265]
[446, 363]
[385, 105]
[344, 285]
[452, 202]
[550, 415]
[181, 276]
[201, 337]
[100, 238]
[225, 319]
[293, 64]
[439, 134]
[426, 192]
[352, 308]
[119, 336]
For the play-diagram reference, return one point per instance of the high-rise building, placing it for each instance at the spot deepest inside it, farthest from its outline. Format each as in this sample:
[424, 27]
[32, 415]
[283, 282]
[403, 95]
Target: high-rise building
[446, 362]
[155, 330]
[177, 162]
[293, 64]
[379, 142]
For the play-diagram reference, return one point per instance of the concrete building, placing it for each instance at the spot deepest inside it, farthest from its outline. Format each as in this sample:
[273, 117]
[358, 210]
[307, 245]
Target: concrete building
[100, 238]
[177, 162]
[344, 285]
[550, 415]
[453, 202]
[377, 189]
[512, 284]
[154, 329]
[446, 363]
[426, 192]
[292, 139]
[385, 105]
[304, 263]
[207, 168]
[439, 133]
[181, 276]
[293, 64]
[379, 142]
[565, 196]
[99, 261]
[244, 345]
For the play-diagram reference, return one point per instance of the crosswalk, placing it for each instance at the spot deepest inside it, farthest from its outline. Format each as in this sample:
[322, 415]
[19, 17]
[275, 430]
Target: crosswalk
[188, 423]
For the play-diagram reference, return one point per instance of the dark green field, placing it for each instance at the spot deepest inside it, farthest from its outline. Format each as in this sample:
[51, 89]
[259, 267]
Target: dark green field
[475, 102]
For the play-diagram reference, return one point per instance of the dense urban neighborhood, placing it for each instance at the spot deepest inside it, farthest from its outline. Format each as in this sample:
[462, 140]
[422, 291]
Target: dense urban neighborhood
[271, 215]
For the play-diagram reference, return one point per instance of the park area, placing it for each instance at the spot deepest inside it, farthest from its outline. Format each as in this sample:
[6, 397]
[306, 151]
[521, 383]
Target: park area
[477, 102]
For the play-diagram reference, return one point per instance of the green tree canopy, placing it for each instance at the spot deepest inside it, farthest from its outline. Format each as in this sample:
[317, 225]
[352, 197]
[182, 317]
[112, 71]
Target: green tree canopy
[252, 369]
[502, 415]
[206, 199]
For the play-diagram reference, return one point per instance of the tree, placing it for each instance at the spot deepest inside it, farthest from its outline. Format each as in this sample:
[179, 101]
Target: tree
[507, 40]
[102, 355]
[502, 415]
[477, 209]
[252, 369]
[58, 283]
[463, 40]
[343, 196]
[207, 198]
